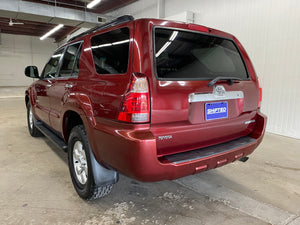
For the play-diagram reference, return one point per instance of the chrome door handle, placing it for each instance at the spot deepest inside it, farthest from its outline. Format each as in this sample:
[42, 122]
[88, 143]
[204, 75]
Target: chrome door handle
[69, 85]
[48, 85]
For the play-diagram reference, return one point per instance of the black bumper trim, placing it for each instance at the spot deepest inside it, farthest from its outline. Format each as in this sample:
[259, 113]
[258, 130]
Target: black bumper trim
[209, 151]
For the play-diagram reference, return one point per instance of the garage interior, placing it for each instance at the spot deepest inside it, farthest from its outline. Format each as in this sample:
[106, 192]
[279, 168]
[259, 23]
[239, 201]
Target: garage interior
[35, 183]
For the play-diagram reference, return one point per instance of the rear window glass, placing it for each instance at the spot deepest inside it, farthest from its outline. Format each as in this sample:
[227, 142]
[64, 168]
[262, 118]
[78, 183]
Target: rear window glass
[110, 51]
[190, 55]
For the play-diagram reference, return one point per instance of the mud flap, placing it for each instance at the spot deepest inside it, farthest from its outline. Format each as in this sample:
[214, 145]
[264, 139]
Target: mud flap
[102, 176]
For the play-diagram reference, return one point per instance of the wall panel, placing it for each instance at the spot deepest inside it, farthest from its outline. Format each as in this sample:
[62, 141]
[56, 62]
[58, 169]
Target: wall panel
[19, 51]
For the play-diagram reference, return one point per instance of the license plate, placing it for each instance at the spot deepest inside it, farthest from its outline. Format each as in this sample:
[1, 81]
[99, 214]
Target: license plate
[216, 110]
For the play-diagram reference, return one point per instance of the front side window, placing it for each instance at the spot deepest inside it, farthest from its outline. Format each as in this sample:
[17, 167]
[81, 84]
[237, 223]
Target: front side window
[111, 51]
[70, 61]
[51, 67]
[190, 55]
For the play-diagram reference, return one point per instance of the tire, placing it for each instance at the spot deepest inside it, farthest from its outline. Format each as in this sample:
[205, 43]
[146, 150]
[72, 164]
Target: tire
[31, 121]
[81, 168]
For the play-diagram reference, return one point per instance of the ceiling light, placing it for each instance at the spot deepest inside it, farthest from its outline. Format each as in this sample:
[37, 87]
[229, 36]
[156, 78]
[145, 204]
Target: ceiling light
[93, 3]
[51, 31]
[163, 48]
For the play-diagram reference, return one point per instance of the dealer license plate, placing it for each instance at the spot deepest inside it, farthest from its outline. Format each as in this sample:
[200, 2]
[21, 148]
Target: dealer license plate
[216, 110]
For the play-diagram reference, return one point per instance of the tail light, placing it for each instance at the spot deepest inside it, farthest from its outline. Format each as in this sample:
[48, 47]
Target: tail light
[135, 106]
[259, 95]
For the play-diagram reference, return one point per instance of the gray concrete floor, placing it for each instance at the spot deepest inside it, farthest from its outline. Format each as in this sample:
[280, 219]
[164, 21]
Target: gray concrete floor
[35, 186]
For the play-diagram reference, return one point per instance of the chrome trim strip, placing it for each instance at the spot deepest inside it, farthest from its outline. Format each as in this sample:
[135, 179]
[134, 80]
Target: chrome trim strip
[198, 97]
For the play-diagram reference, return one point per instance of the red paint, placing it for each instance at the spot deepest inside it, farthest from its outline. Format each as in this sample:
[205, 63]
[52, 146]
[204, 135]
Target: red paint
[137, 150]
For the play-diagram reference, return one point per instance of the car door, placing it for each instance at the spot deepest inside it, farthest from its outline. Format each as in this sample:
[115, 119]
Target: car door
[44, 85]
[66, 79]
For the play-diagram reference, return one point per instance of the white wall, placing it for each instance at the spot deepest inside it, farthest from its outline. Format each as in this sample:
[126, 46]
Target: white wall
[138, 9]
[19, 51]
[270, 32]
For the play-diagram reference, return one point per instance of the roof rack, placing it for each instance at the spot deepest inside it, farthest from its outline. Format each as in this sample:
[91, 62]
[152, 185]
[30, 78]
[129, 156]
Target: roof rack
[119, 20]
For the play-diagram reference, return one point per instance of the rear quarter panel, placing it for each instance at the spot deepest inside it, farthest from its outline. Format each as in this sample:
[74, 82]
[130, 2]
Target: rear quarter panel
[106, 91]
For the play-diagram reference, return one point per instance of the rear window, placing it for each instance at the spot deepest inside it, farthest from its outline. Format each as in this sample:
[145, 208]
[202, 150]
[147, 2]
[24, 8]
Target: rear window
[190, 55]
[110, 51]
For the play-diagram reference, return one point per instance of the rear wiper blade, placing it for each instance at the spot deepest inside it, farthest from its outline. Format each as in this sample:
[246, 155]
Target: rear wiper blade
[229, 79]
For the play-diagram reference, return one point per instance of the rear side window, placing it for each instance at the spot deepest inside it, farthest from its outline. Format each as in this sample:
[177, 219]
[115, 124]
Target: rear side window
[110, 51]
[69, 65]
[76, 64]
[190, 55]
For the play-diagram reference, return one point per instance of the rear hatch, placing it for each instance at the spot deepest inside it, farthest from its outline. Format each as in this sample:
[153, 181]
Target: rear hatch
[202, 93]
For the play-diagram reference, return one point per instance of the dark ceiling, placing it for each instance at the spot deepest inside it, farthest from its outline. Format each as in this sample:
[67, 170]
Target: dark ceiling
[38, 28]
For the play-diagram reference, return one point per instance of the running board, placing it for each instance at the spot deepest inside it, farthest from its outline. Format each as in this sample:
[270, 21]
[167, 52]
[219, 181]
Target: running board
[58, 142]
[209, 151]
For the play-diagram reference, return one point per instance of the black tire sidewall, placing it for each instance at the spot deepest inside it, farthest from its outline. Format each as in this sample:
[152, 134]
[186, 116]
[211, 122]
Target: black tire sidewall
[31, 131]
[78, 134]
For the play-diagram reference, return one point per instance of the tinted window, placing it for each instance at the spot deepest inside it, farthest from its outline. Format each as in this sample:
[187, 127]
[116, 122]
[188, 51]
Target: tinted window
[110, 51]
[52, 66]
[76, 65]
[68, 62]
[190, 55]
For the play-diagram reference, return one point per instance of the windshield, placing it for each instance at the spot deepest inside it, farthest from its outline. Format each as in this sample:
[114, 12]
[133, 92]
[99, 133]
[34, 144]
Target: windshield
[189, 55]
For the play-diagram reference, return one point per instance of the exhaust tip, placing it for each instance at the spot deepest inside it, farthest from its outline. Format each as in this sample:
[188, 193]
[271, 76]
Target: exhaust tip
[244, 159]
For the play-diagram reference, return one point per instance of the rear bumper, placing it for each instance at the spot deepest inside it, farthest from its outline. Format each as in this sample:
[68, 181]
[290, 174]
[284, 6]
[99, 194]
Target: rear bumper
[134, 153]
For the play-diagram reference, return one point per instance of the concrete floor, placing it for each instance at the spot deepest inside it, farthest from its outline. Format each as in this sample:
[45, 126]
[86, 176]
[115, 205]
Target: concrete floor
[36, 188]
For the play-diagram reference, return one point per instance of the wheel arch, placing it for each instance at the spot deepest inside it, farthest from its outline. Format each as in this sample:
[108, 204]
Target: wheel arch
[28, 96]
[26, 99]
[102, 176]
[70, 120]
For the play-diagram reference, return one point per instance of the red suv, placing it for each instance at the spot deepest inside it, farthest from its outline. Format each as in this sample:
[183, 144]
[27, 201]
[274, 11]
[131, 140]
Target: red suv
[149, 98]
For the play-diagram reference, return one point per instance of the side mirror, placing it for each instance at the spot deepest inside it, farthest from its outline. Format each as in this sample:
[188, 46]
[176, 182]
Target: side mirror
[32, 71]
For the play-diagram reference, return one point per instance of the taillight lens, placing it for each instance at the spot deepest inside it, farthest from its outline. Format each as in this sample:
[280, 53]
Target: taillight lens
[259, 95]
[135, 106]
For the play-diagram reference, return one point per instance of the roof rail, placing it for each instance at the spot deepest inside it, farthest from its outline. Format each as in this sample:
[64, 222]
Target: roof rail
[119, 20]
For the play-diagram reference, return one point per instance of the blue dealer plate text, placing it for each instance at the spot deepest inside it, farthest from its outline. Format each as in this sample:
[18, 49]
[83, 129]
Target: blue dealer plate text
[216, 110]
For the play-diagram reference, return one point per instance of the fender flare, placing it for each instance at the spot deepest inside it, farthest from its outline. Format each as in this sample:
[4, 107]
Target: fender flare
[29, 93]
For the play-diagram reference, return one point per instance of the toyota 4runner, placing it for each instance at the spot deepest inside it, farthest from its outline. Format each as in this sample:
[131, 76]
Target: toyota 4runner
[151, 99]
